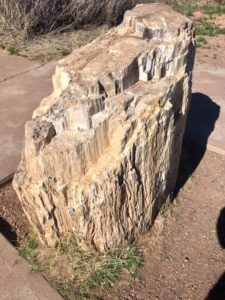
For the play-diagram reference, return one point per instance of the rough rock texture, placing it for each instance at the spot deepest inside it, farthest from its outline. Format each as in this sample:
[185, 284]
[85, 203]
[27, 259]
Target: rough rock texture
[102, 152]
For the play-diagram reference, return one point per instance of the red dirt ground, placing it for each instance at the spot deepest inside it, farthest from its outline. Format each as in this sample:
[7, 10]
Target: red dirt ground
[13, 222]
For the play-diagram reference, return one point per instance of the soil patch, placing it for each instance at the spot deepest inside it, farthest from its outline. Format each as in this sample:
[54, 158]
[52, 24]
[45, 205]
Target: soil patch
[213, 52]
[220, 21]
[13, 222]
[198, 15]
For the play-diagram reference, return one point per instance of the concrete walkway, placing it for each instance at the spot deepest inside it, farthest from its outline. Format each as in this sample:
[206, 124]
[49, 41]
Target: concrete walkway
[206, 120]
[17, 281]
[22, 86]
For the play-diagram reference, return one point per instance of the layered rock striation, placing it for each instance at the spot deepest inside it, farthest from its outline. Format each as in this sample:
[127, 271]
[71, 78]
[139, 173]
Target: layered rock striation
[102, 152]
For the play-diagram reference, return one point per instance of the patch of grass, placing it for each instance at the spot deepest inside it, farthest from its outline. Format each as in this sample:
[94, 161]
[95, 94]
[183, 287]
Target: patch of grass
[63, 288]
[201, 41]
[186, 9]
[93, 270]
[12, 50]
[2, 46]
[65, 52]
[110, 266]
[49, 47]
[206, 27]
[29, 250]
[40, 58]
[213, 9]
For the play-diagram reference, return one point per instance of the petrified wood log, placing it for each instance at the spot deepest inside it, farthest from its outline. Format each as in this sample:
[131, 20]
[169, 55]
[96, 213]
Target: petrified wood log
[102, 152]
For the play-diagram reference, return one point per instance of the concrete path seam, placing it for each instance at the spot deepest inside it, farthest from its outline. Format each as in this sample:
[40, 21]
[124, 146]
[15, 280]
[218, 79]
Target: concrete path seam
[6, 179]
[22, 73]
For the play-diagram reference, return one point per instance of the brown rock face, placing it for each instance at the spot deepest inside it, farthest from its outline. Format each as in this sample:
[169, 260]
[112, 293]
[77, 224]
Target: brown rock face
[102, 152]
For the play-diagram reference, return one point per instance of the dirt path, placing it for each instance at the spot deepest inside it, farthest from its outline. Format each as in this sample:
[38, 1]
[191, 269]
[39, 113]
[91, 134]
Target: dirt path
[183, 257]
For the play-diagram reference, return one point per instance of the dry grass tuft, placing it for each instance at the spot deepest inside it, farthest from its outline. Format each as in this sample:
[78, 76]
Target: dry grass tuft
[32, 17]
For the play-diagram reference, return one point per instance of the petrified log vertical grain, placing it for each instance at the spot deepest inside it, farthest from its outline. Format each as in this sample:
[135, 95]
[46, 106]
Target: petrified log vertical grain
[102, 152]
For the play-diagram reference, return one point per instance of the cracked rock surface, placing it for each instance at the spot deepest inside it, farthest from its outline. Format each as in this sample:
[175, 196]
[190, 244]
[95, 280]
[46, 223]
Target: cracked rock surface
[102, 152]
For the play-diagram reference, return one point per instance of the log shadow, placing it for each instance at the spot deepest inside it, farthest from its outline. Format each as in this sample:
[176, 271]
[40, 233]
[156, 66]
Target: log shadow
[218, 290]
[202, 116]
[8, 232]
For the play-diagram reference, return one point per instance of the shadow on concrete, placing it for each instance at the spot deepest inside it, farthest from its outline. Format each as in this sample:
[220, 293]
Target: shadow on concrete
[202, 116]
[8, 232]
[218, 291]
